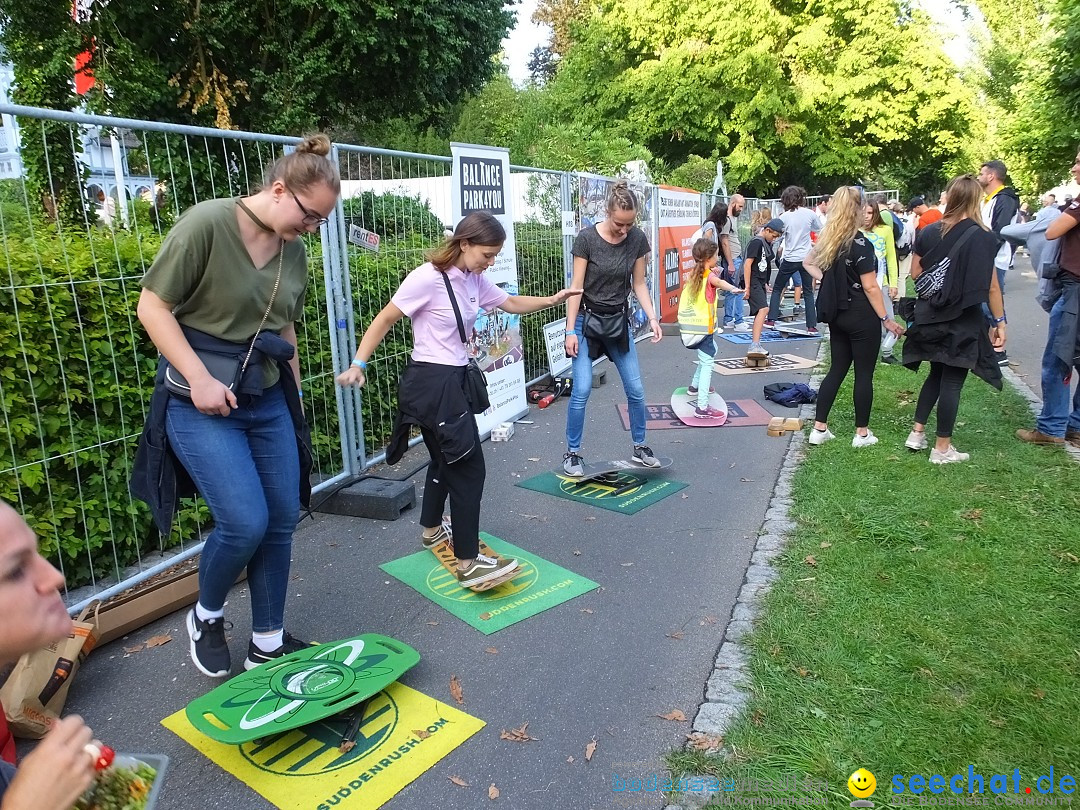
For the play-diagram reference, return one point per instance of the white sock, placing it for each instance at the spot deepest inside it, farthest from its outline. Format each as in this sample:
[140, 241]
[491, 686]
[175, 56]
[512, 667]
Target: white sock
[205, 614]
[268, 642]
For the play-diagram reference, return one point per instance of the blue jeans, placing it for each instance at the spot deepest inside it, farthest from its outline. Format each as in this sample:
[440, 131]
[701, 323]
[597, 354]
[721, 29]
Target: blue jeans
[734, 307]
[626, 363]
[703, 370]
[787, 270]
[1055, 416]
[246, 468]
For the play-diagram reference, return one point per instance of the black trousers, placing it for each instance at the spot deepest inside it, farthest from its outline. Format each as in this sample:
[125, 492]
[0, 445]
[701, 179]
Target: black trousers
[463, 482]
[942, 386]
[854, 337]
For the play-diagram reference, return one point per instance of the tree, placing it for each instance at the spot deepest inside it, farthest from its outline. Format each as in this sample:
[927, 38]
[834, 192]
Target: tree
[542, 65]
[291, 65]
[562, 16]
[816, 92]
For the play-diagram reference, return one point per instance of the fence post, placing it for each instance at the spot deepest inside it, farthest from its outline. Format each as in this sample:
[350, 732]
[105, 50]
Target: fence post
[339, 312]
[568, 215]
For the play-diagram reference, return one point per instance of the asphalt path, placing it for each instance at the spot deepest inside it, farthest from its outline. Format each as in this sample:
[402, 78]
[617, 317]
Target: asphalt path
[600, 667]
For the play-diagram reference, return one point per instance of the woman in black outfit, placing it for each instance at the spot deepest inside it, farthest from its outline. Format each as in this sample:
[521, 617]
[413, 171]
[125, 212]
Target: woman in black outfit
[951, 333]
[850, 301]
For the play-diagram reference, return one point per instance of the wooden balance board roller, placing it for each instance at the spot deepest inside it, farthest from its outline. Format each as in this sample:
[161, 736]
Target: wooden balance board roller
[781, 426]
[757, 361]
[444, 553]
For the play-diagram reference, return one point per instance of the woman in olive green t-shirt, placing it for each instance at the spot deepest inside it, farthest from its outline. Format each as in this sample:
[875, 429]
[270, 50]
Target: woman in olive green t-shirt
[226, 267]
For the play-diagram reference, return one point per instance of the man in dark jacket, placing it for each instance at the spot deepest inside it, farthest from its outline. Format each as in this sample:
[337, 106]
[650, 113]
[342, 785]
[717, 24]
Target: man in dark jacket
[999, 208]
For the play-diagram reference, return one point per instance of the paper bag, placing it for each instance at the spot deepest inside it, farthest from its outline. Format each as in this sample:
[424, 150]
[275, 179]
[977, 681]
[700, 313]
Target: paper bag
[35, 690]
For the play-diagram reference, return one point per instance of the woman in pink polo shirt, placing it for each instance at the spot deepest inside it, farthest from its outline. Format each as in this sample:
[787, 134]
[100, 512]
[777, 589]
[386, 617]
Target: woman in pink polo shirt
[431, 393]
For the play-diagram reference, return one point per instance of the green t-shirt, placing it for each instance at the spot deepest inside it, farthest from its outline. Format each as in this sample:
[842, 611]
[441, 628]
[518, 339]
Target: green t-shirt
[204, 270]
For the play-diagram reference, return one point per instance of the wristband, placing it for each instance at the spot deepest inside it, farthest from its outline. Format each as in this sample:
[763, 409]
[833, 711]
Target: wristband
[999, 320]
[884, 318]
[360, 364]
[570, 332]
[300, 394]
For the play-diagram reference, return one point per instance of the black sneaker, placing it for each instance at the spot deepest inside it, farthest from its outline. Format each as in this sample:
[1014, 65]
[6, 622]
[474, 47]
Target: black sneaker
[1002, 358]
[889, 360]
[256, 656]
[209, 650]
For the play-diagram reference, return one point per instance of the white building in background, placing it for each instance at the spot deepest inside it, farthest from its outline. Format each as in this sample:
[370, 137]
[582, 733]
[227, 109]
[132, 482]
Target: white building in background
[10, 162]
[104, 175]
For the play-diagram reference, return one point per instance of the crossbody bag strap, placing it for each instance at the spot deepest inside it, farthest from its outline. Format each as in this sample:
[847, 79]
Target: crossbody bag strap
[951, 251]
[457, 312]
[270, 304]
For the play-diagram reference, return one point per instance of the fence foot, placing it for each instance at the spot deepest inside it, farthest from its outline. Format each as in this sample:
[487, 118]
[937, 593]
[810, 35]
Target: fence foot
[372, 498]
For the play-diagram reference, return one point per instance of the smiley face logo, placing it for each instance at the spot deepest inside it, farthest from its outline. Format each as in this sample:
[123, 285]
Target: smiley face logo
[861, 783]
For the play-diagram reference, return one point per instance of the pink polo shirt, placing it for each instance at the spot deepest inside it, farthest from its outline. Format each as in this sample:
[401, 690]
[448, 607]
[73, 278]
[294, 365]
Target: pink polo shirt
[422, 297]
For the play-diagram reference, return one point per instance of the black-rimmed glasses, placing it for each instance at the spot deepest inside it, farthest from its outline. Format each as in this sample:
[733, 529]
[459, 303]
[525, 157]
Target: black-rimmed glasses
[310, 217]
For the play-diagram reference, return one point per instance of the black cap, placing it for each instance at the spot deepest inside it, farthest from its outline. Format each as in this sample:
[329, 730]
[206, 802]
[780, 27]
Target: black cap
[915, 202]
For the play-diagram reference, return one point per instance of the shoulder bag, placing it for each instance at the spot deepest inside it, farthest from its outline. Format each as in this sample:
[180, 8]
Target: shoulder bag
[475, 386]
[227, 369]
[930, 285]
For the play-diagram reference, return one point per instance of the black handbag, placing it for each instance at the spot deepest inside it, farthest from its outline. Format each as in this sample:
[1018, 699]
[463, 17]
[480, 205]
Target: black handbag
[226, 368]
[608, 329]
[475, 384]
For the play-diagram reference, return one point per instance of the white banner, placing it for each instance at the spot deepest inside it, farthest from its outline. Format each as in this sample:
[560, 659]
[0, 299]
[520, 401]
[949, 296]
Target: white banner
[481, 182]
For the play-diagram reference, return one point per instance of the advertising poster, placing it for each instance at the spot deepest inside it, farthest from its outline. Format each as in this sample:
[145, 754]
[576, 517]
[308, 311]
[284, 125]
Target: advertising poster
[679, 216]
[592, 197]
[480, 182]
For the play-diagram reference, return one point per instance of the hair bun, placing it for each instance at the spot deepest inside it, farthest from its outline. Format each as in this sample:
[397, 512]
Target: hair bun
[316, 144]
[621, 184]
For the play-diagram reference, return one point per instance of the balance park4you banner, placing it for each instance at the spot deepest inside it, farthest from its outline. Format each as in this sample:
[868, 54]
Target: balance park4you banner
[481, 182]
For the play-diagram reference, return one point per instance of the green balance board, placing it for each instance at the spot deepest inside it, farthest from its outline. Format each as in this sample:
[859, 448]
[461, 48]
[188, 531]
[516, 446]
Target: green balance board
[300, 688]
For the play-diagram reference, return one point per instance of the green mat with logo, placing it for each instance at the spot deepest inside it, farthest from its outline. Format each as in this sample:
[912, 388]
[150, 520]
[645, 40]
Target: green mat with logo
[622, 492]
[539, 586]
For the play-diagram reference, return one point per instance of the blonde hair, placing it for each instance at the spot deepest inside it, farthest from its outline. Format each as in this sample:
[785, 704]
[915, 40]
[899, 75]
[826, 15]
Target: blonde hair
[847, 208]
[307, 165]
[478, 228]
[963, 200]
[622, 198]
[704, 249]
[760, 217]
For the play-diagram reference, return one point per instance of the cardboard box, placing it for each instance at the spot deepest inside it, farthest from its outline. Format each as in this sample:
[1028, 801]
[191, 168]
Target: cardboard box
[163, 594]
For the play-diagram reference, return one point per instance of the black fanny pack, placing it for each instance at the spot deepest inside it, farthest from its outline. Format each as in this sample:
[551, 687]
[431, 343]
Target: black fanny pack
[610, 327]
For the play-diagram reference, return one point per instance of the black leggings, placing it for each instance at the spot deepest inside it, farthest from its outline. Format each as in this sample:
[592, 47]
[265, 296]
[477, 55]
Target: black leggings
[854, 336]
[941, 387]
[463, 481]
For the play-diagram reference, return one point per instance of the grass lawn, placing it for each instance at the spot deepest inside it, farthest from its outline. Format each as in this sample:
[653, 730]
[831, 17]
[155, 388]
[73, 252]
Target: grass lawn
[926, 618]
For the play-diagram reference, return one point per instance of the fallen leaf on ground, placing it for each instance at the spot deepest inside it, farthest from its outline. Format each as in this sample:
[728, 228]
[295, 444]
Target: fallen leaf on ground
[810, 559]
[569, 759]
[826, 544]
[135, 649]
[677, 635]
[457, 780]
[157, 641]
[674, 715]
[491, 650]
[493, 792]
[421, 733]
[803, 671]
[590, 749]
[685, 496]
[433, 624]
[517, 734]
[700, 741]
[590, 518]
[1038, 694]
[972, 514]
[758, 718]
[455, 690]
[708, 620]
[586, 610]
[577, 553]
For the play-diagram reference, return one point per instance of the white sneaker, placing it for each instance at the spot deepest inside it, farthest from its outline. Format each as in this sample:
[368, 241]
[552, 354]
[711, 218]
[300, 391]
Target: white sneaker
[719, 329]
[916, 440]
[820, 436]
[743, 326]
[950, 456]
[864, 441]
